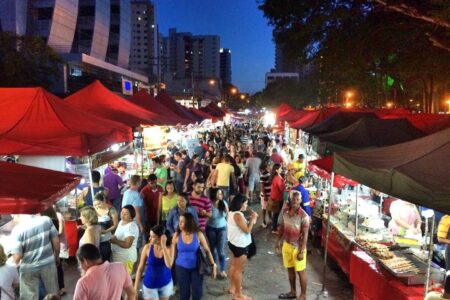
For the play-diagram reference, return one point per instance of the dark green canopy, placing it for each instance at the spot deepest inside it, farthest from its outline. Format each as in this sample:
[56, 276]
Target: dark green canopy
[417, 171]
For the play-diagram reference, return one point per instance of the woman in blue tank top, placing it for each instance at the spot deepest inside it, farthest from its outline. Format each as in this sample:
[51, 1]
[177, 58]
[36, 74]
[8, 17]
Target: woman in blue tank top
[187, 241]
[158, 255]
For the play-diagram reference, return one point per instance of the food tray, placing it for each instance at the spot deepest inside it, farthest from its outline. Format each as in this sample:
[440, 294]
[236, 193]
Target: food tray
[412, 278]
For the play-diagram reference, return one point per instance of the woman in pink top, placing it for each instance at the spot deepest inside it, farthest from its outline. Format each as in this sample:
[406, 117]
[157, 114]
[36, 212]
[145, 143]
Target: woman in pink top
[278, 186]
[405, 217]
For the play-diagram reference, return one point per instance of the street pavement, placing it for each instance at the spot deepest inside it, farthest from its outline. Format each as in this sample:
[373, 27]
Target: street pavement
[264, 276]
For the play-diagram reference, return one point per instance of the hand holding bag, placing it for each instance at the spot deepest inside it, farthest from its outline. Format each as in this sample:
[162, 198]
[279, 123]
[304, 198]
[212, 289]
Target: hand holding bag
[203, 264]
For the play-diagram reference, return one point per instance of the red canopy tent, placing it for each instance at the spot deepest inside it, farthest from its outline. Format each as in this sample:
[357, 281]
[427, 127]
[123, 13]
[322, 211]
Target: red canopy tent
[98, 100]
[30, 190]
[202, 114]
[293, 116]
[145, 100]
[323, 168]
[36, 122]
[164, 99]
[214, 110]
[283, 109]
[313, 117]
[428, 123]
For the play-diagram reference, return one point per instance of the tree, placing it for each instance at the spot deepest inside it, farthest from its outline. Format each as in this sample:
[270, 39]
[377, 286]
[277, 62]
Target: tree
[27, 61]
[363, 45]
[297, 93]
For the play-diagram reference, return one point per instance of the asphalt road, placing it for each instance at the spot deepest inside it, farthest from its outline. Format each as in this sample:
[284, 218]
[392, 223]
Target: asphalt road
[264, 276]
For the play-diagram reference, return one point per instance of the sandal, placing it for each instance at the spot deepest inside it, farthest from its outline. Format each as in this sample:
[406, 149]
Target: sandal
[287, 296]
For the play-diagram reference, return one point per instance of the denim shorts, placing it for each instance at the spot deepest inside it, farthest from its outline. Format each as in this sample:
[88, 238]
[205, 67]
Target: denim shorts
[163, 292]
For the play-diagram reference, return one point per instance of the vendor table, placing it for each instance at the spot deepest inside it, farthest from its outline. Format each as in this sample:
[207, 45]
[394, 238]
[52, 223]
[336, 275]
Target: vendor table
[340, 246]
[372, 282]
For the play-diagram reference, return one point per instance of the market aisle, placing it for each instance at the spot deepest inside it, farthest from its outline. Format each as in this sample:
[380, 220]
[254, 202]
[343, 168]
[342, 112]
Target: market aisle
[264, 278]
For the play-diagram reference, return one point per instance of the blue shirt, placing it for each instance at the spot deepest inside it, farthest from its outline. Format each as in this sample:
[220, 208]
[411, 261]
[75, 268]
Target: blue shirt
[187, 253]
[134, 198]
[157, 274]
[174, 218]
[217, 219]
[305, 198]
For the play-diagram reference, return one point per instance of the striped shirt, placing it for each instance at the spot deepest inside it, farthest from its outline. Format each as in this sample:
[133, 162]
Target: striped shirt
[32, 237]
[293, 225]
[199, 204]
[264, 178]
[443, 228]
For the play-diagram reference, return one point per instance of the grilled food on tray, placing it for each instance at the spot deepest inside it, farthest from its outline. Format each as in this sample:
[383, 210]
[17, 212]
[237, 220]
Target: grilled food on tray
[401, 265]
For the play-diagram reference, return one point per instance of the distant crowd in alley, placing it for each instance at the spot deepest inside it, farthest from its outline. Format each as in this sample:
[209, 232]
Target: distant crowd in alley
[158, 236]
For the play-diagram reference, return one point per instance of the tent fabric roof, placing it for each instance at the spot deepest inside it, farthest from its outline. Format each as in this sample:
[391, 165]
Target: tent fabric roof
[283, 109]
[292, 116]
[145, 100]
[202, 114]
[313, 117]
[338, 121]
[429, 123]
[417, 171]
[36, 122]
[324, 166]
[30, 190]
[164, 99]
[368, 132]
[214, 110]
[98, 100]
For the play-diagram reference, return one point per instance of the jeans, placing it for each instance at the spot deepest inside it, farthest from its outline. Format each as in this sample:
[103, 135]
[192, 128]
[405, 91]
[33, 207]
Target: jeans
[189, 280]
[105, 251]
[60, 271]
[447, 257]
[217, 238]
[117, 204]
[29, 282]
[179, 186]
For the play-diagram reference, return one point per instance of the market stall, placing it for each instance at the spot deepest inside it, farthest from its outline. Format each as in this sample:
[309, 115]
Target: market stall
[416, 171]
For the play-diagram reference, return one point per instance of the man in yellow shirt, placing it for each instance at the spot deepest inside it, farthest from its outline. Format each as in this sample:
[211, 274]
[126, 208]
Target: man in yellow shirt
[224, 176]
[444, 238]
[299, 166]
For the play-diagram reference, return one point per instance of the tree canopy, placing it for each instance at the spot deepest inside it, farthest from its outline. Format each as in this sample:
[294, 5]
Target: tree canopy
[27, 61]
[384, 50]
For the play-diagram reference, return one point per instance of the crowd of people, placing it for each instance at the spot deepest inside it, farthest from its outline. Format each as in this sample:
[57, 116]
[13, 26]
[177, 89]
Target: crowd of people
[155, 229]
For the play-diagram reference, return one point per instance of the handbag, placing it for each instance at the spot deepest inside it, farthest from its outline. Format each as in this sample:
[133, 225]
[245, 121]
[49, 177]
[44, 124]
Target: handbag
[203, 264]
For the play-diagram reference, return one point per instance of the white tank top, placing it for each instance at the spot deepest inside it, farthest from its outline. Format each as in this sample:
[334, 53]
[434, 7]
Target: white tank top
[235, 235]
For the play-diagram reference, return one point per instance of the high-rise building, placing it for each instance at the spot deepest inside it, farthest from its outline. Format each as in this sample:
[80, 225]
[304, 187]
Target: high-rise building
[92, 36]
[144, 56]
[225, 65]
[192, 55]
[282, 63]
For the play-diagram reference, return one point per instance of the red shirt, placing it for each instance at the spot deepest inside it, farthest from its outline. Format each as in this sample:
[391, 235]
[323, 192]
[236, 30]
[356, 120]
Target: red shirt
[276, 158]
[293, 225]
[151, 203]
[277, 188]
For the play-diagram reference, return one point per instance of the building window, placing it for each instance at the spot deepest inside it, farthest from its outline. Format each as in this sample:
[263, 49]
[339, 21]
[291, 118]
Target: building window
[86, 11]
[115, 9]
[44, 13]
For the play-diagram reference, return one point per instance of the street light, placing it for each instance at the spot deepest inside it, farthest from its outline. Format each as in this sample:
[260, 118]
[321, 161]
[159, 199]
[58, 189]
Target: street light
[242, 97]
[234, 91]
[212, 82]
[348, 96]
[389, 104]
[448, 102]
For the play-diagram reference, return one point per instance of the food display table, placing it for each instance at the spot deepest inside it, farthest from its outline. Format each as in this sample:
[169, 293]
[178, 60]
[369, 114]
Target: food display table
[340, 245]
[372, 282]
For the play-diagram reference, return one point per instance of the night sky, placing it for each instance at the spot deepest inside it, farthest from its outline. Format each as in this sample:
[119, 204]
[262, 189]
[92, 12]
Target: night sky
[240, 25]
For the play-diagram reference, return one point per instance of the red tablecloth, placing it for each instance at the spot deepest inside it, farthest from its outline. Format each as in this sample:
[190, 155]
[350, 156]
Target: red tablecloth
[371, 282]
[339, 246]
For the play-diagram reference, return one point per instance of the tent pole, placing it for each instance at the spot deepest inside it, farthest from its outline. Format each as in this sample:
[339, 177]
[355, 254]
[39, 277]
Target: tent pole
[90, 177]
[327, 235]
[356, 212]
[142, 158]
[430, 256]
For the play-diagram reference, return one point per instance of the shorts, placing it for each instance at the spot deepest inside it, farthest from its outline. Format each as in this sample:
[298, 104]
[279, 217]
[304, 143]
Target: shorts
[163, 292]
[290, 260]
[263, 202]
[253, 180]
[238, 251]
[129, 266]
